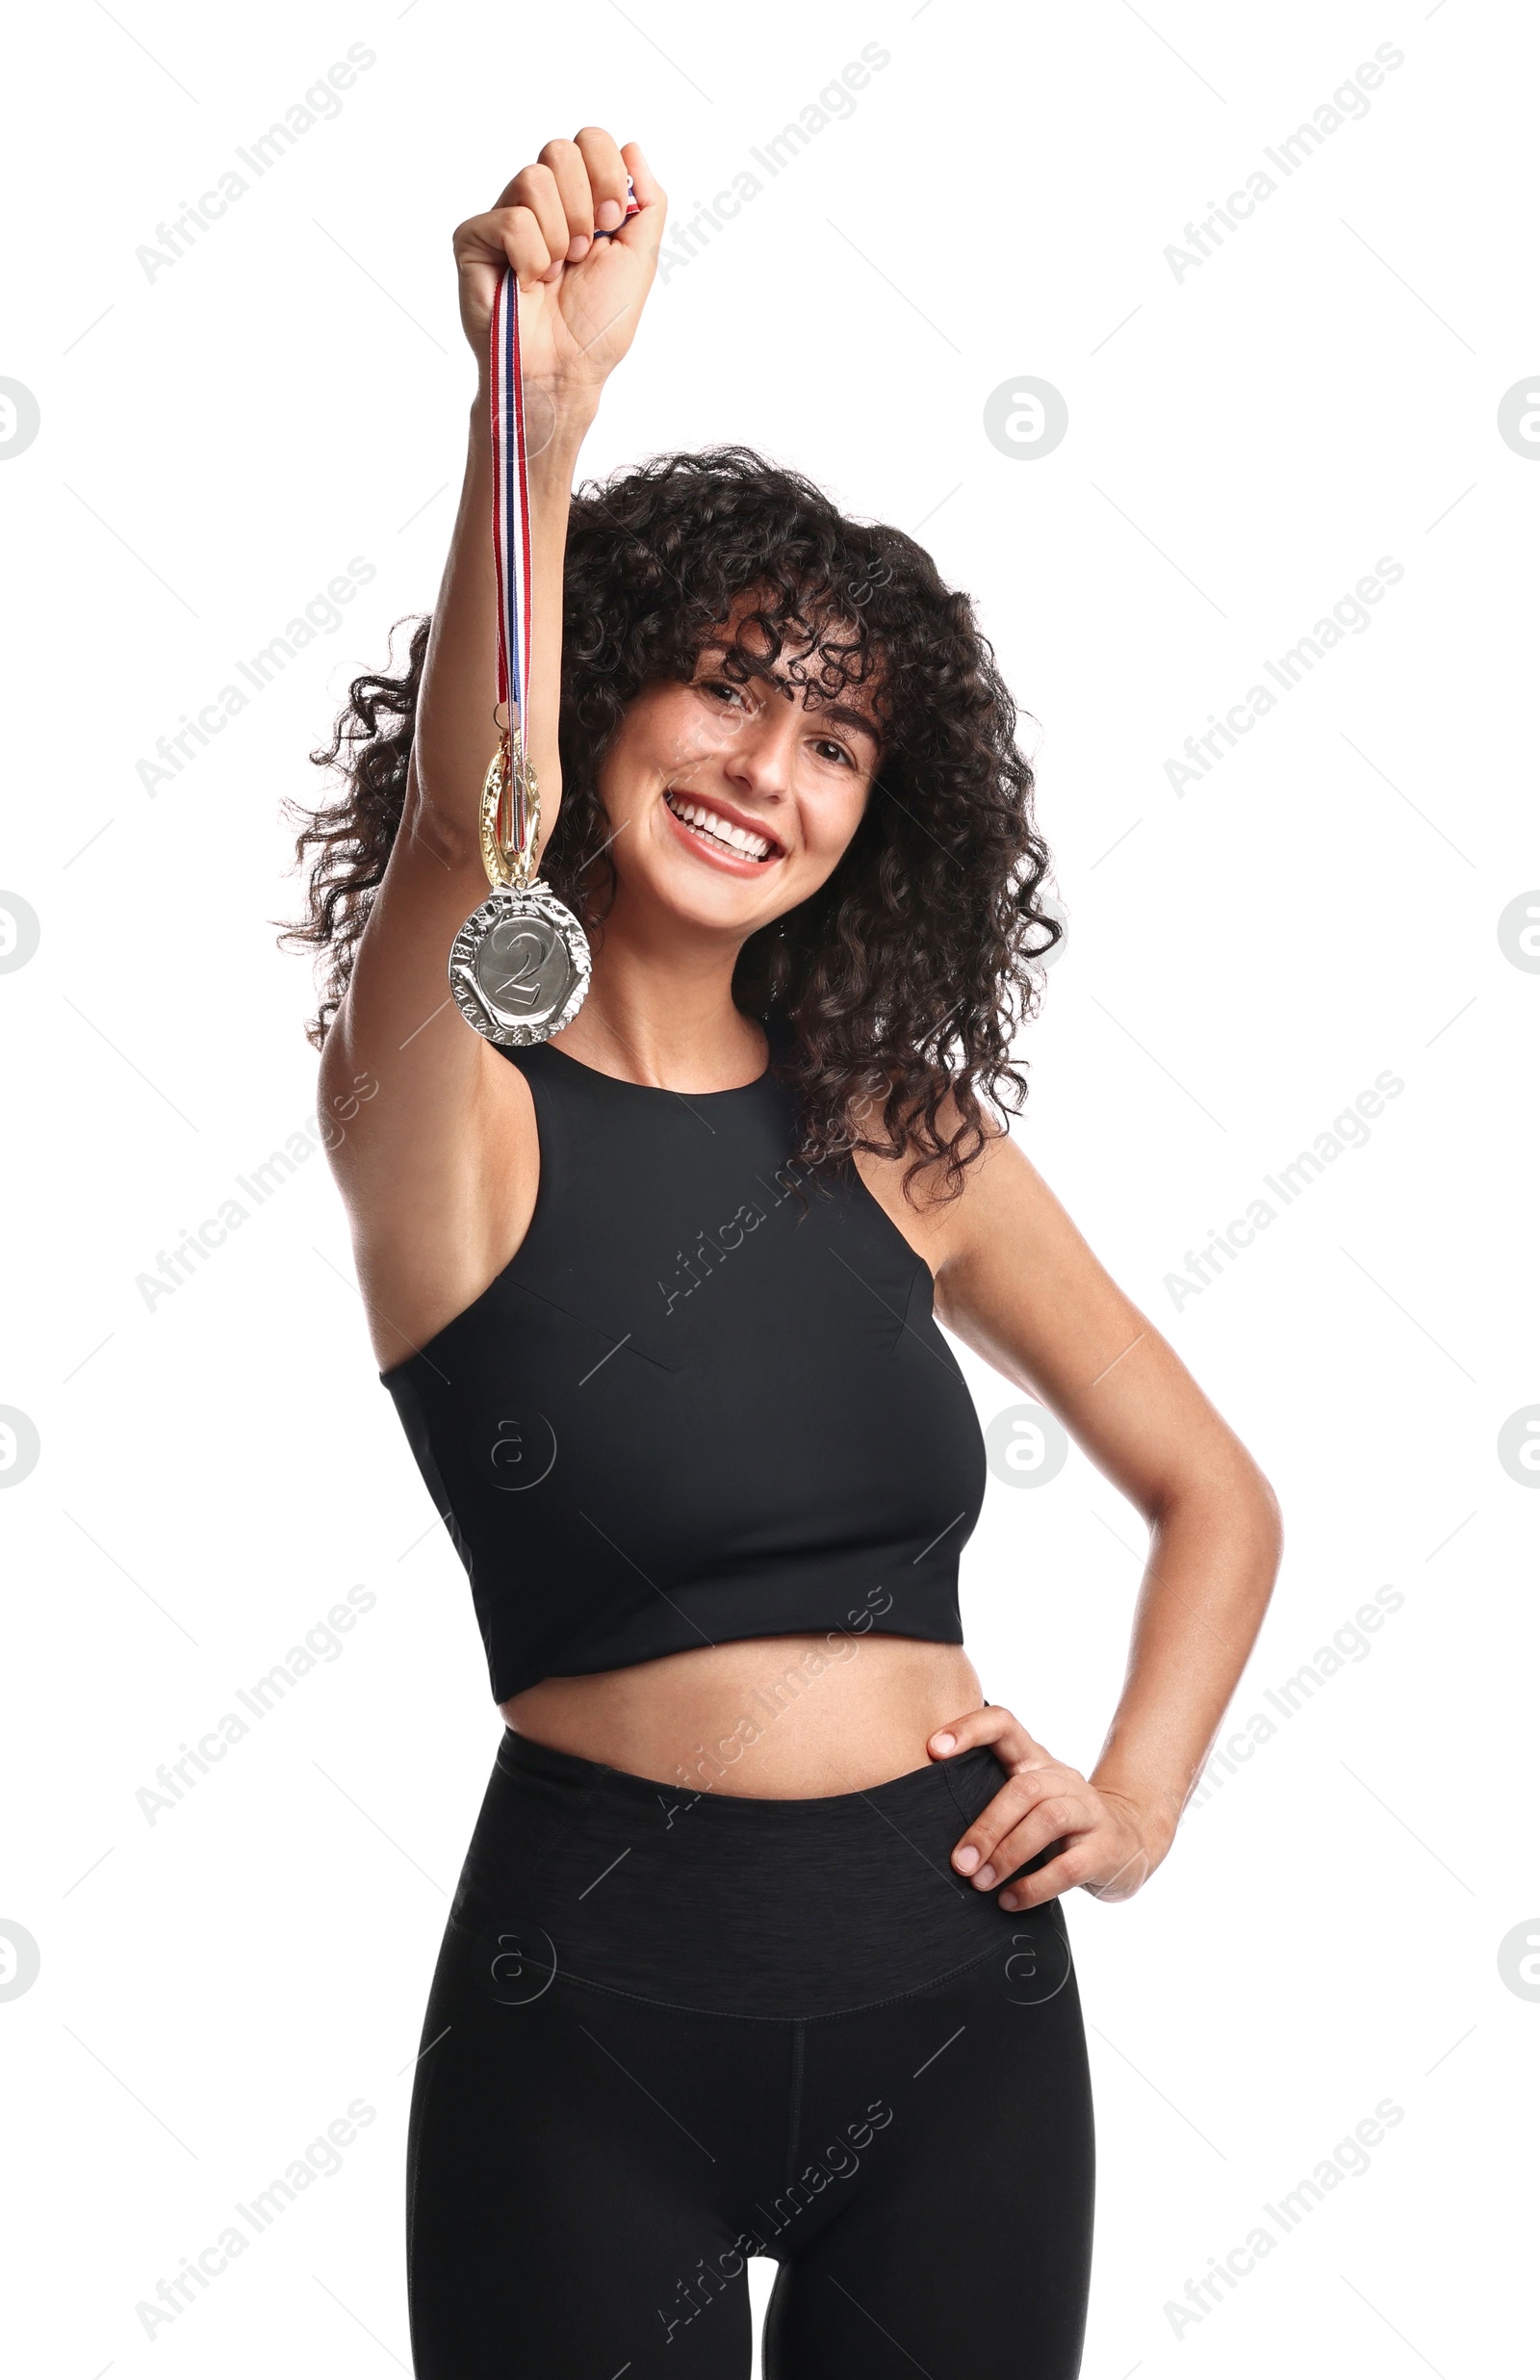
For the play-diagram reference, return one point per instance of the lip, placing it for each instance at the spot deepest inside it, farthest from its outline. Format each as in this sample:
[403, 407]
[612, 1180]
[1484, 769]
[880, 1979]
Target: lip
[736, 863]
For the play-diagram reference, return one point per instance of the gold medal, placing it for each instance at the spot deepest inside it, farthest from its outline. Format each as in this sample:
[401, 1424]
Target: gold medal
[520, 964]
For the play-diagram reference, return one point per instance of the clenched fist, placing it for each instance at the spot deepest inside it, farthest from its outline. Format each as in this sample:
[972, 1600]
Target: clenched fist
[579, 296]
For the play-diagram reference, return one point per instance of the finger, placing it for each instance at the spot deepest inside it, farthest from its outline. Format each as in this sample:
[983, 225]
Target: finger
[507, 236]
[645, 231]
[1034, 1798]
[535, 186]
[565, 161]
[606, 176]
[992, 1724]
[1052, 1824]
[1046, 1883]
[972, 1851]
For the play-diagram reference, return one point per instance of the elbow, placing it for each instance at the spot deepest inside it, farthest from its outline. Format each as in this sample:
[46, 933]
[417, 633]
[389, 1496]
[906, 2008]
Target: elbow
[1275, 1508]
[1236, 1495]
[448, 829]
[1268, 1528]
[440, 831]
[1266, 1510]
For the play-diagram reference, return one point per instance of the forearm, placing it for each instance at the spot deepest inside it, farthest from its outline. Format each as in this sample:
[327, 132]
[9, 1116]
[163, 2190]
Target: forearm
[456, 730]
[1213, 1560]
[550, 480]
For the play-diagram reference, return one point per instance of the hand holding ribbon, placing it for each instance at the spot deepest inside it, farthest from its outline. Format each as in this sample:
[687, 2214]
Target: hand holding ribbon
[520, 966]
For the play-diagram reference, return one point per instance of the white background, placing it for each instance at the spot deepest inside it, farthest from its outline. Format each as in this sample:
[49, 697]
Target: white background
[1245, 444]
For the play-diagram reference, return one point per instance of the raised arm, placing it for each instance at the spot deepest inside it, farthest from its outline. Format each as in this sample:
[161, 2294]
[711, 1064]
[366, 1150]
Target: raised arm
[415, 1160]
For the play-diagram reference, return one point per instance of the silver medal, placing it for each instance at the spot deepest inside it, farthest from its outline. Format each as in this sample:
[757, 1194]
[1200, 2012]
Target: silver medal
[519, 966]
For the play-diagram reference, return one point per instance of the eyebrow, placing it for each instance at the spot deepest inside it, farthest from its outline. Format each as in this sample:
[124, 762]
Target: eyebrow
[843, 716]
[841, 713]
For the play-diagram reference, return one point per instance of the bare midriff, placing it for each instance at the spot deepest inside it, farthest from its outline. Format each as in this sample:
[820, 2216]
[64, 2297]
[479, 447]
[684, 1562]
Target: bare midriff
[772, 1717]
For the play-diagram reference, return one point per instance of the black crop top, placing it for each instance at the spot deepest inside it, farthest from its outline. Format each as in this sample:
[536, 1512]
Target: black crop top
[691, 1410]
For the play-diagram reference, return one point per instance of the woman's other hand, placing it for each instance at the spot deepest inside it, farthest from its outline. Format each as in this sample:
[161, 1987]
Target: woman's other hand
[1100, 1840]
[579, 297]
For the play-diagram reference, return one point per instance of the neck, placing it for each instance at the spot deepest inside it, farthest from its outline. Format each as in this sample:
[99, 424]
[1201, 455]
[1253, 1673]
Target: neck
[665, 1016]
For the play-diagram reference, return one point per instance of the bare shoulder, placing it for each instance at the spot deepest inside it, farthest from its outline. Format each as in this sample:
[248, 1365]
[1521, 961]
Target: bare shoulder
[936, 1218]
[1004, 1252]
[1018, 1283]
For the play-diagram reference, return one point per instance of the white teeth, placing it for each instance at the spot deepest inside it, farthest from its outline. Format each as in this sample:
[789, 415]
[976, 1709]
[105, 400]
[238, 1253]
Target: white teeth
[721, 830]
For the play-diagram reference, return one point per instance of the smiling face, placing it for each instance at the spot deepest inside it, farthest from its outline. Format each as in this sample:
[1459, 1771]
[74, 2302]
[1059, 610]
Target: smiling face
[729, 803]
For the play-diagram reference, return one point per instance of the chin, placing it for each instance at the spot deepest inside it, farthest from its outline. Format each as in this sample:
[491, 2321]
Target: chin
[726, 907]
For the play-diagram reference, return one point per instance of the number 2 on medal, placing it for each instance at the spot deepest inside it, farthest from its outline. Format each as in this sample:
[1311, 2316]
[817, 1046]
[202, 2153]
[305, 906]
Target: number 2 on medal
[522, 982]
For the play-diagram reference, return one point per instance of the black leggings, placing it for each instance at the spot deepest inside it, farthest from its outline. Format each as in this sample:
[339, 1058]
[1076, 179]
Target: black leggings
[670, 2031]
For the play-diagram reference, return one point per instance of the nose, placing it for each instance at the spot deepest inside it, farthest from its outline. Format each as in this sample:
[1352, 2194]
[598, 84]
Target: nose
[757, 756]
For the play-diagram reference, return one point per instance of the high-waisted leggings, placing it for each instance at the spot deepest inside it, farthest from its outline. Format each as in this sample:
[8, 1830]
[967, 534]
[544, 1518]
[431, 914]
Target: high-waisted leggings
[669, 2031]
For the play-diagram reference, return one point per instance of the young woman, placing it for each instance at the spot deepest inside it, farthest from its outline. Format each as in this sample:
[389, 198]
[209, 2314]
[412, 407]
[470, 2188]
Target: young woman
[758, 1945]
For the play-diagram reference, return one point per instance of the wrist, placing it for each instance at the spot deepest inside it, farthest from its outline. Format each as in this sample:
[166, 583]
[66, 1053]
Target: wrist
[1154, 1809]
[552, 471]
[553, 464]
[561, 417]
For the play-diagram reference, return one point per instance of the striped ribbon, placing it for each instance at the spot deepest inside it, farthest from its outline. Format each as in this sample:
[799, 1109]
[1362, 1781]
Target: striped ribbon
[510, 538]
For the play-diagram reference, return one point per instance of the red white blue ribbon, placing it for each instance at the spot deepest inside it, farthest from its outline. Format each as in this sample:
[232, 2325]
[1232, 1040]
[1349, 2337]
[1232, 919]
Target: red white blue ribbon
[510, 525]
[510, 515]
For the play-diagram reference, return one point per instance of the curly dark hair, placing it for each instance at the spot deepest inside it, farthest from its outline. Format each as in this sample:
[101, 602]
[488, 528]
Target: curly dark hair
[903, 977]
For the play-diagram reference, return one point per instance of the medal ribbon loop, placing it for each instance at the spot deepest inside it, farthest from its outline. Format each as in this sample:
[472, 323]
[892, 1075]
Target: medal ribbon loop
[510, 799]
[520, 964]
[513, 826]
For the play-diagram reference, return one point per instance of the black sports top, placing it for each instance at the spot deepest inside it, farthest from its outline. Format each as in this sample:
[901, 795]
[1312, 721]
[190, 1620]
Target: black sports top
[692, 1410]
